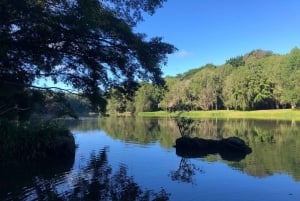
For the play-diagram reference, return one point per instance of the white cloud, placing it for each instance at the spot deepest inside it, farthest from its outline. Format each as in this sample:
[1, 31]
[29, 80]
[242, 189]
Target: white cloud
[182, 53]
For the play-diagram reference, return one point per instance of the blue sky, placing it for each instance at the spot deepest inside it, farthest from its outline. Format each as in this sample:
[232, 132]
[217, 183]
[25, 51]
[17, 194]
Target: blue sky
[212, 31]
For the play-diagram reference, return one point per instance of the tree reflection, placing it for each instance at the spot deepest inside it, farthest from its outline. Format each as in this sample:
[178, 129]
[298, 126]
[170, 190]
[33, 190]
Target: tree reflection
[273, 143]
[185, 171]
[19, 176]
[96, 182]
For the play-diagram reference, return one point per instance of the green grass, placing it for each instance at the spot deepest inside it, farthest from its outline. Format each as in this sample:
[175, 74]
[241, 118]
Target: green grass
[283, 114]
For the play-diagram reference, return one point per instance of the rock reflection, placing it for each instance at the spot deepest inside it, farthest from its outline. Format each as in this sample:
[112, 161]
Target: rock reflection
[231, 149]
[98, 182]
[203, 153]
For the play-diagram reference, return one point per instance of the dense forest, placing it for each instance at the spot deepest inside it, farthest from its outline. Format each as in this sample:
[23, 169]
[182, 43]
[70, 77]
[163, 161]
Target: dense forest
[257, 80]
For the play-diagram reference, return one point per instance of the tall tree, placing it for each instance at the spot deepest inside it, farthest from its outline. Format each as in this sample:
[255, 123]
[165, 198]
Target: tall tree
[116, 102]
[88, 44]
[234, 90]
[147, 98]
[204, 87]
[291, 73]
[272, 69]
[259, 88]
[175, 96]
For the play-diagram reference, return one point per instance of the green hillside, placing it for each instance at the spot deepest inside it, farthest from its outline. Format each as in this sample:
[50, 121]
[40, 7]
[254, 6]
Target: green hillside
[254, 81]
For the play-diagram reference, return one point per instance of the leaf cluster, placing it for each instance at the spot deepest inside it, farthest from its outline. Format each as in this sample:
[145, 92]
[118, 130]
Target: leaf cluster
[87, 44]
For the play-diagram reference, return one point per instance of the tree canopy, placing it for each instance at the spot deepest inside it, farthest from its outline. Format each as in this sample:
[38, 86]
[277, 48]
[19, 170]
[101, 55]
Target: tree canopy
[87, 44]
[257, 80]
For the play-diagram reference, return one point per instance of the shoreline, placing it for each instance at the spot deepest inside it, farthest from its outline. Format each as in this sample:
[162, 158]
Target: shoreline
[278, 114]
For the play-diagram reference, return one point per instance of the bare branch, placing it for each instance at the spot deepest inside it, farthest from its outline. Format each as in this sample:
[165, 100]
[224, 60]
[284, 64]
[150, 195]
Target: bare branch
[42, 88]
[16, 107]
[55, 88]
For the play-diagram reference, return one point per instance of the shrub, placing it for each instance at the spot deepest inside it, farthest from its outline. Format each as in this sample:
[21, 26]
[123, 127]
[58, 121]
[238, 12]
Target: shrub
[27, 141]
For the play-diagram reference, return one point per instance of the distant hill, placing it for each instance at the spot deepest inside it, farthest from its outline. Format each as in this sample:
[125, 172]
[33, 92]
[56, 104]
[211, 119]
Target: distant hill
[257, 80]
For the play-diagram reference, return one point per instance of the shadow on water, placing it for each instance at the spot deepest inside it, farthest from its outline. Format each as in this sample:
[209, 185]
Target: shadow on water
[16, 176]
[96, 181]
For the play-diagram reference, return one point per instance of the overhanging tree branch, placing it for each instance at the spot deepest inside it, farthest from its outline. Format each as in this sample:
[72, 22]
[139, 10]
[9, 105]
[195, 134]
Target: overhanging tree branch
[93, 40]
[41, 88]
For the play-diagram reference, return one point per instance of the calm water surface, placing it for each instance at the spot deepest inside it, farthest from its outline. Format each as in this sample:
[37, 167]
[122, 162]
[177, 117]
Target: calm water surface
[134, 159]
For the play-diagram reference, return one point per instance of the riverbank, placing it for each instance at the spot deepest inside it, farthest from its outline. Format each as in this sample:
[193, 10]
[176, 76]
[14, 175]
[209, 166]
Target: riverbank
[282, 114]
[29, 142]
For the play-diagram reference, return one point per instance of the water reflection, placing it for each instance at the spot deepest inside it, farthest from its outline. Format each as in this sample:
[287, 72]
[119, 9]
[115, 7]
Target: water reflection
[226, 155]
[135, 130]
[96, 181]
[232, 148]
[112, 165]
[185, 172]
[275, 144]
[17, 180]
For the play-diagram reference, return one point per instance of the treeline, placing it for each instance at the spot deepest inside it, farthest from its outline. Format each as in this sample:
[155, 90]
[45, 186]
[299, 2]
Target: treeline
[35, 104]
[257, 80]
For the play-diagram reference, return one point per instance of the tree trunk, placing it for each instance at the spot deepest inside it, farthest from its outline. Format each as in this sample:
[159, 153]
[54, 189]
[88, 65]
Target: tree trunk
[293, 106]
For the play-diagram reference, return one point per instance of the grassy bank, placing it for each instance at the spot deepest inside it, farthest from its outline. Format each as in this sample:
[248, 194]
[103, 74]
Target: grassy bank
[284, 114]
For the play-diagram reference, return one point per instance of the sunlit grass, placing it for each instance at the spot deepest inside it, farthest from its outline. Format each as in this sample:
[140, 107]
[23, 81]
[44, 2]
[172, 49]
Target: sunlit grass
[283, 114]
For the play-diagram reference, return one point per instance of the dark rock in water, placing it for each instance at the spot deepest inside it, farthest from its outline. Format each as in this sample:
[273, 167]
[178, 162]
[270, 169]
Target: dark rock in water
[235, 144]
[232, 148]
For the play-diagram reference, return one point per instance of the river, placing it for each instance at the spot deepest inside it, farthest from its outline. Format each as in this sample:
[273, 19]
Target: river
[134, 159]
